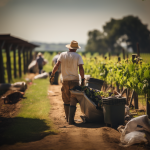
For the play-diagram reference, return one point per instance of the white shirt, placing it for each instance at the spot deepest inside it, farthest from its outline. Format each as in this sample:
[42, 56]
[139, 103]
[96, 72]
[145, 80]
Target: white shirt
[69, 65]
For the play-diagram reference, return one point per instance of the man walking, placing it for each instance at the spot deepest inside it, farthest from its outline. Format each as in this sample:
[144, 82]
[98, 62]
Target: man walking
[70, 62]
[40, 61]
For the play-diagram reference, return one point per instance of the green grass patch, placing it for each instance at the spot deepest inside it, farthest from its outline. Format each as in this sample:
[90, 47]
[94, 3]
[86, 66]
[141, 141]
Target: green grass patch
[48, 67]
[142, 100]
[32, 122]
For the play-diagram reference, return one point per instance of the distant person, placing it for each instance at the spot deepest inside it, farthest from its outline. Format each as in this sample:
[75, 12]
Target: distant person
[40, 61]
[57, 73]
[70, 63]
[54, 61]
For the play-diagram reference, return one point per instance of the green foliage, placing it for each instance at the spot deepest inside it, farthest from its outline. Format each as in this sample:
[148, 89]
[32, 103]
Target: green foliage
[129, 29]
[124, 73]
[96, 41]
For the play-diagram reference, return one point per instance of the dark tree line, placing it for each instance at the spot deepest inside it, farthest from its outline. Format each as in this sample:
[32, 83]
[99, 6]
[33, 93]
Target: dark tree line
[129, 30]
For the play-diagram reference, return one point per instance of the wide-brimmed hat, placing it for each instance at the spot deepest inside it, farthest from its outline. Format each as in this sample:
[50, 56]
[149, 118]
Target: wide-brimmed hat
[39, 54]
[73, 45]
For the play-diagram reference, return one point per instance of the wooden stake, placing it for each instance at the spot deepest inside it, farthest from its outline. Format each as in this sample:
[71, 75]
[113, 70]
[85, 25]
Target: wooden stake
[8, 63]
[138, 50]
[148, 105]
[2, 79]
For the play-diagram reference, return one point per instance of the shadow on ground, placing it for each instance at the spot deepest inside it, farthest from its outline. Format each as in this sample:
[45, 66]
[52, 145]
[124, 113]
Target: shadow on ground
[13, 130]
[90, 125]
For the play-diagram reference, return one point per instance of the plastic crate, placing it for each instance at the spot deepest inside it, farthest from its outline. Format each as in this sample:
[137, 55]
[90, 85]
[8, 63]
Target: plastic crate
[114, 111]
[95, 83]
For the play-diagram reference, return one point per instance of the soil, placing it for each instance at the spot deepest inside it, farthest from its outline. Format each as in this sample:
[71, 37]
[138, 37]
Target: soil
[82, 136]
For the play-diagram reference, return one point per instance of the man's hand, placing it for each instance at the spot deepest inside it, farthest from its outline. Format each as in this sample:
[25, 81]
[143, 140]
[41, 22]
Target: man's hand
[51, 80]
[82, 83]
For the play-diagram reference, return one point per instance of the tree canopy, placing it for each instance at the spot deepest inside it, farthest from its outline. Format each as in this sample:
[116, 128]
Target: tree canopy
[129, 30]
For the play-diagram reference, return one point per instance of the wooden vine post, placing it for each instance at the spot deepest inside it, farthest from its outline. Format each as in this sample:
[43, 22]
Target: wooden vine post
[9, 76]
[24, 61]
[135, 95]
[109, 56]
[133, 58]
[123, 51]
[138, 50]
[148, 105]
[14, 59]
[2, 79]
[119, 59]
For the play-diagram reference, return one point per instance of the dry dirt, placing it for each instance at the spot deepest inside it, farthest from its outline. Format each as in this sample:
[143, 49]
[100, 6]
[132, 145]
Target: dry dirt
[82, 136]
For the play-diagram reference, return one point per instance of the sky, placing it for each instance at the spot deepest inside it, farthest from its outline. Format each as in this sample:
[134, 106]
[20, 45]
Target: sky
[61, 21]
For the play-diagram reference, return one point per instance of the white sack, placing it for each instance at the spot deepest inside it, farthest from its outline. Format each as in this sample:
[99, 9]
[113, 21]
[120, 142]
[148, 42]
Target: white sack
[14, 86]
[133, 138]
[21, 85]
[42, 75]
[137, 124]
[33, 67]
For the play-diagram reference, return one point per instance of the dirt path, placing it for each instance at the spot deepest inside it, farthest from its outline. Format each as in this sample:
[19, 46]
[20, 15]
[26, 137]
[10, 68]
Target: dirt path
[83, 136]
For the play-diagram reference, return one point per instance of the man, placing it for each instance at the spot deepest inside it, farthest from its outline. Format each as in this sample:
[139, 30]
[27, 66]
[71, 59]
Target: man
[70, 62]
[40, 61]
[54, 61]
[57, 73]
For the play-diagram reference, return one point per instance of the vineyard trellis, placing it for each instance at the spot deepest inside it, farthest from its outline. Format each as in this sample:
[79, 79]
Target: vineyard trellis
[127, 73]
[22, 52]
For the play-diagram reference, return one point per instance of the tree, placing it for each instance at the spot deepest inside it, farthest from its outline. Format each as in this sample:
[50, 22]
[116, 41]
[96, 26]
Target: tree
[134, 30]
[96, 41]
[129, 30]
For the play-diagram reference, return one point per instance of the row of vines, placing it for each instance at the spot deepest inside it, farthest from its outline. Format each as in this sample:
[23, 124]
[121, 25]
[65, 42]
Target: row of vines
[124, 73]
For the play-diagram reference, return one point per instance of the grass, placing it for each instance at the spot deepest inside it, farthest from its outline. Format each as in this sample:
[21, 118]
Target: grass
[142, 99]
[32, 122]
[48, 67]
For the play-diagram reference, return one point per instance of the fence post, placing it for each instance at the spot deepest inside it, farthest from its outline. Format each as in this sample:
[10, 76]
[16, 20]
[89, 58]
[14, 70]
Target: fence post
[133, 57]
[148, 105]
[24, 61]
[119, 59]
[27, 57]
[19, 61]
[123, 51]
[8, 62]
[2, 79]
[31, 57]
[135, 100]
[138, 50]
[109, 56]
[14, 56]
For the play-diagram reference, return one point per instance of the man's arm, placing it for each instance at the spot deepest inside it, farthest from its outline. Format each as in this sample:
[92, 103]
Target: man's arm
[56, 67]
[81, 70]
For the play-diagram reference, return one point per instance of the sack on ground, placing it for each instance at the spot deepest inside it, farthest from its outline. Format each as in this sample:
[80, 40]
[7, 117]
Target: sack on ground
[133, 138]
[42, 75]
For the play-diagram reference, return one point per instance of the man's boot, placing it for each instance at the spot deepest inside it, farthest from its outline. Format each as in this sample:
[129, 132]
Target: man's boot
[66, 107]
[72, 114]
